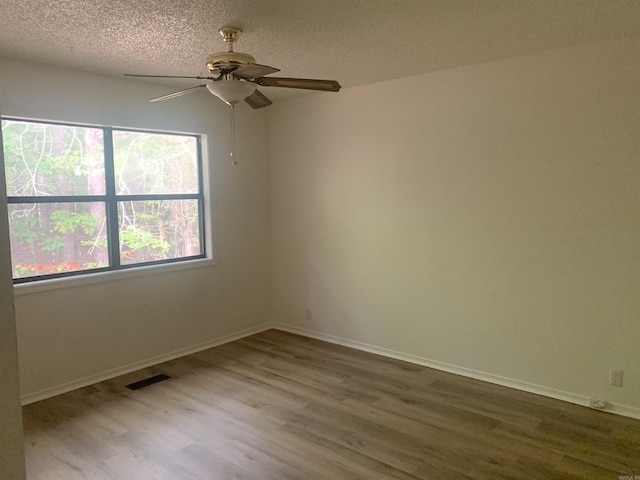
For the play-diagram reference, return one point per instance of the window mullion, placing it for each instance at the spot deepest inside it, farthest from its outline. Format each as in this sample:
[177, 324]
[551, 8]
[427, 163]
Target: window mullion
[111, 203]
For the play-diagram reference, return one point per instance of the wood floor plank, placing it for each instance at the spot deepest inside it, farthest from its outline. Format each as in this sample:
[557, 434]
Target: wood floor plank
[282, 406]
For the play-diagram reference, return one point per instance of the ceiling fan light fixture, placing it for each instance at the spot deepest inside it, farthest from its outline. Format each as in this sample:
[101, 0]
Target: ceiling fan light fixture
[231, 91]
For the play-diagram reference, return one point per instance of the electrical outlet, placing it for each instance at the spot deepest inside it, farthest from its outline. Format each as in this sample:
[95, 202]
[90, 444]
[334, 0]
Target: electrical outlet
[307, 314]
[597, 404]
[615, 378]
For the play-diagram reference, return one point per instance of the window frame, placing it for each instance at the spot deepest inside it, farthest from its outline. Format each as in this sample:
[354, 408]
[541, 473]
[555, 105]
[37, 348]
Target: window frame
[111, 200]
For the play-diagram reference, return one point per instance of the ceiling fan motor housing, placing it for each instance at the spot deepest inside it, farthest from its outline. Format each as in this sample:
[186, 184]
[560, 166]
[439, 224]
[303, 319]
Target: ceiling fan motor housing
[217, 61]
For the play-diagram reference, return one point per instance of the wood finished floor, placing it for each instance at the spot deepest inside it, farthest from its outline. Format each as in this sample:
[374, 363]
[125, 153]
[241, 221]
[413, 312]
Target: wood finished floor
[282, 406]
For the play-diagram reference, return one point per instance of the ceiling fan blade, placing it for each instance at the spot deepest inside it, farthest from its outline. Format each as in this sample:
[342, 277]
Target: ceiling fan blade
[304, 83]
[258, 100]
[253, 70]
[165, 76]
[176, 94]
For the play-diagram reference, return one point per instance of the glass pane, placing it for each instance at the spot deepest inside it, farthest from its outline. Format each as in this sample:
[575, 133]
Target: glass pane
[158, 230]
[150, 163]
[44, 159]
[51, 238]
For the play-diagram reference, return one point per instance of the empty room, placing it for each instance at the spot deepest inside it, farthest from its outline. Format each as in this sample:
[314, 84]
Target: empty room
[320, 239]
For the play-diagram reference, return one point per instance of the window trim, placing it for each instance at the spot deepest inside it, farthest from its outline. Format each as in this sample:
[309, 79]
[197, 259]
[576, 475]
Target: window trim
[110, 200]
[93, 277]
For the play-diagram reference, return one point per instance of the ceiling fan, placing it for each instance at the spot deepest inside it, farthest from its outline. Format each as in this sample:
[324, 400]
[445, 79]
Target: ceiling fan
[235, 77]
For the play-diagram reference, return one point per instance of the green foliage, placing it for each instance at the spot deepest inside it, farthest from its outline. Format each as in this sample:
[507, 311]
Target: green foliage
[24, 228]
[92, 265]
[51, 243]
[71, 221]
[136, 238]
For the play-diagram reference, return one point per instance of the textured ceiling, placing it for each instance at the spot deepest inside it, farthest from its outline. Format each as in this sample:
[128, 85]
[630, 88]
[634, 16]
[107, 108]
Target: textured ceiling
[352, 41]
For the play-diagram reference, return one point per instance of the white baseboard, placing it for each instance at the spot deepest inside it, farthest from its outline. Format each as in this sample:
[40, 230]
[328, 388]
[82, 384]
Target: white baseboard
[132, 367]
[582, 400]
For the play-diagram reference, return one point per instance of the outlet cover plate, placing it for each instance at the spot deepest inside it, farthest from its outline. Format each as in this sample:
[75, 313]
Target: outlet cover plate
[615, 378]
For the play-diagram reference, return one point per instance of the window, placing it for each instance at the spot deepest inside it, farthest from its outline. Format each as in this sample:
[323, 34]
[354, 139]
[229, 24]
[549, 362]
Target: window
[86, 199]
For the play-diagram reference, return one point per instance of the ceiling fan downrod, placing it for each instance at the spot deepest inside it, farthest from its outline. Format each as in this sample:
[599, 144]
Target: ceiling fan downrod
[230, 35]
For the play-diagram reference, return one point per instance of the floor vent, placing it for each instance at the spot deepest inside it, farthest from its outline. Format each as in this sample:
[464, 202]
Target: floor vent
[147, 381]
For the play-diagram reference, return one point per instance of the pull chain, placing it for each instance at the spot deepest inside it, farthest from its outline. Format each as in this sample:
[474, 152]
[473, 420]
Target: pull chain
[233, 135]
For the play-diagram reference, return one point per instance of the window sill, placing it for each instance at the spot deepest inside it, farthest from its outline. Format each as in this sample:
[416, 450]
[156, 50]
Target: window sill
[101, 277]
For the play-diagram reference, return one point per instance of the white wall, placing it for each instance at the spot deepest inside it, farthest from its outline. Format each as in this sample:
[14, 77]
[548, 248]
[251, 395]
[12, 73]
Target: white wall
[81, 332]
[11, 460]
[483, 217]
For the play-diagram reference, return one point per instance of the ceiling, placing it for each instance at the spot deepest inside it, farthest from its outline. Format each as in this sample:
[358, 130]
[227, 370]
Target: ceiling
[352, 41]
